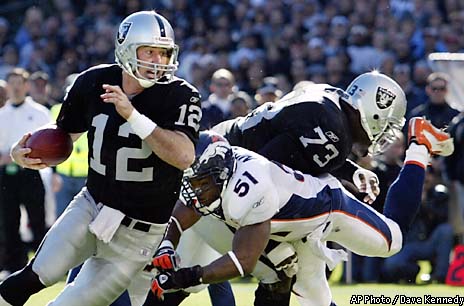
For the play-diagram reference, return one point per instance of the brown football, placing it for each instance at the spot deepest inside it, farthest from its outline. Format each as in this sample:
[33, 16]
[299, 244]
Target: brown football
[51, 144]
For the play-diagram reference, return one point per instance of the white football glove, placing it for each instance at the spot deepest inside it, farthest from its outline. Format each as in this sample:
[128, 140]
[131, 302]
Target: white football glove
[284, 258]
[367, 182]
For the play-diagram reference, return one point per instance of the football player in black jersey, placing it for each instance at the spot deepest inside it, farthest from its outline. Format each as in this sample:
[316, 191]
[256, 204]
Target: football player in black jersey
[316, 126]
[142, 125]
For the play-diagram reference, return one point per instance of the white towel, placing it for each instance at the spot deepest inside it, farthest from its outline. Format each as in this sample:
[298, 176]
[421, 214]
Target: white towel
[106, 223]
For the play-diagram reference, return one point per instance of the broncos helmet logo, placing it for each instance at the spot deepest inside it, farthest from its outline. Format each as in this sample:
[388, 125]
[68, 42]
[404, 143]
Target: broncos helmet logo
[217, 148]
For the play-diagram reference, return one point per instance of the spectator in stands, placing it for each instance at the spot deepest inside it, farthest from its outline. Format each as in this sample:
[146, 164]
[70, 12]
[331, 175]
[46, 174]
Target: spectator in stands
[436, 109]
[39, 89]
[388, 64]
[217, 107]
[4, 33]
[240, 105]
[316, 51]
[298, 71]
[268, 92]
[338, 74]
[431, 42]
[31, 26]
[3, 93]
[364, 56]
[414, 96]
[454, 168]
[421, 70]
[10, 60]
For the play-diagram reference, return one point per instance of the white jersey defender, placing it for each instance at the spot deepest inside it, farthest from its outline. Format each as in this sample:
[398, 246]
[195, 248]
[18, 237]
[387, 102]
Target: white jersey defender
[305, 212]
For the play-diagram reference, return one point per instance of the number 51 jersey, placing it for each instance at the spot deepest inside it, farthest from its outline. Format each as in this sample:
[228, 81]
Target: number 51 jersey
[306, 130]
[124, 173]
[260, 190]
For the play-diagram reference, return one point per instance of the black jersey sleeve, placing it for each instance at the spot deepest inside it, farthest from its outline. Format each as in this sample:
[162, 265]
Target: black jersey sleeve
[346, 170]
[186, 116]
[74, 112]
[284, 149]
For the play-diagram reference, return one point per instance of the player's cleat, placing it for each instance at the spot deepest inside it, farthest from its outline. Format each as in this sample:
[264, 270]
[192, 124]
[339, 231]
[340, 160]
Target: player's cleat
[422, 132]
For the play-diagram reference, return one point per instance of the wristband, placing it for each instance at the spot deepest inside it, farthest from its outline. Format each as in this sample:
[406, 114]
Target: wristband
[417, 154]
[179, 228]
[236, 262]
[141, 124]
[166, 243]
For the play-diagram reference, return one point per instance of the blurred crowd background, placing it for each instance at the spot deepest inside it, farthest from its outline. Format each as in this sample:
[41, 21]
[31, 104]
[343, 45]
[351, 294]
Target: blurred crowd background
[243, 53]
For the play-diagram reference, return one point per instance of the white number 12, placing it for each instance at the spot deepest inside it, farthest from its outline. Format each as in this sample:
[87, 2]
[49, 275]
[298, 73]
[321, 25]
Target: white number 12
[122, 155]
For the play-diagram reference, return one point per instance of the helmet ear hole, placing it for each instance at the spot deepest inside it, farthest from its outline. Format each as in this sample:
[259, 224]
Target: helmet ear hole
[376, 116]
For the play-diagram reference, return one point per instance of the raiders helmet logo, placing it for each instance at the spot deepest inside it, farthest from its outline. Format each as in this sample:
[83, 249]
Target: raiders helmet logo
[123, 30]
[384, 98]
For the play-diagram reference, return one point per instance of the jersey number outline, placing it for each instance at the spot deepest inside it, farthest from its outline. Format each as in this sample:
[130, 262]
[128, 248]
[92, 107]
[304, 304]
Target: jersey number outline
[193, 118]
[122, 155]
[242, 187]
[321, 161]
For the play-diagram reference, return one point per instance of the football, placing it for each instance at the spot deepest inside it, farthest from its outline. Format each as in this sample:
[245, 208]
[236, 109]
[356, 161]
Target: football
[51, 144]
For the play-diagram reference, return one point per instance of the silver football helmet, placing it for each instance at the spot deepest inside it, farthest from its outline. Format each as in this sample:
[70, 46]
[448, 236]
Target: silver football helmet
[146, 28]
[382, 106]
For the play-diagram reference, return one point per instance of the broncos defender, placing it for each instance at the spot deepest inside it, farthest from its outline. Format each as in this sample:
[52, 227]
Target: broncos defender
[263, 200]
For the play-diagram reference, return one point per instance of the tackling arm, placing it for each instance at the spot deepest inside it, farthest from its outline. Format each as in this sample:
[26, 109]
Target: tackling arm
[183, 217]
[166, 258]
[248, 244]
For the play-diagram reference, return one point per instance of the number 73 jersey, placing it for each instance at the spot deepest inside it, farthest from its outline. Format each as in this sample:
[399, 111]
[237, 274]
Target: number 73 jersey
[124, 173]
[306, 130]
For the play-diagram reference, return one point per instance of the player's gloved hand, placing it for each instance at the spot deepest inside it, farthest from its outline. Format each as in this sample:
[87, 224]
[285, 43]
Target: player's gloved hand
[367, 182]
[172, 280]
[166, 258]
[289, 266]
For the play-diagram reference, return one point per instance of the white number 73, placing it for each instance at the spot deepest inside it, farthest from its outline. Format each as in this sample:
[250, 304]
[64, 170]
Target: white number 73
[332, 150]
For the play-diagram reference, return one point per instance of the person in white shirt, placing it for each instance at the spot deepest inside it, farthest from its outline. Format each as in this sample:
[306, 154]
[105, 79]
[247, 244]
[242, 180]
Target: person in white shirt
[19, 186]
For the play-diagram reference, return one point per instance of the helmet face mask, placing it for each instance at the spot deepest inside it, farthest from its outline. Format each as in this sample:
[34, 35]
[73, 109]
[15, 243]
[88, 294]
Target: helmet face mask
[150, 29]
[206, 191]
[382, 105]
[204, 183]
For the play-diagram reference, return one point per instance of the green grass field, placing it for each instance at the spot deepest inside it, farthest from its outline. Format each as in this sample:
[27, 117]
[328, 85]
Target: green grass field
[342, 294]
